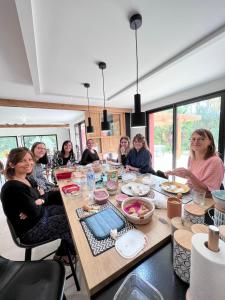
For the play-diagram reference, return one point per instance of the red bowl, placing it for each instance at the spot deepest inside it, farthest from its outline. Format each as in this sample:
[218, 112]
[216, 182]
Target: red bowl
[65, 175]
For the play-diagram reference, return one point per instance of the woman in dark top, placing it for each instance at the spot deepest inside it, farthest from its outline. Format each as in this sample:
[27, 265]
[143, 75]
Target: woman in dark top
[139, 158]
[23, 206]
[65, 156]
[89, 155]
[123, 150]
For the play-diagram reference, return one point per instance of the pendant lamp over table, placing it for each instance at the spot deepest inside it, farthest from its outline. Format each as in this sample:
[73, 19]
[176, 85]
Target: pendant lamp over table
[105, 124]
[138, 118]
[89, 128]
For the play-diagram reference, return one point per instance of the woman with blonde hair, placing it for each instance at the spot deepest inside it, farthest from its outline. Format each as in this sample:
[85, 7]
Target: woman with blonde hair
[205, 169]
[123, 149]
[139, 158]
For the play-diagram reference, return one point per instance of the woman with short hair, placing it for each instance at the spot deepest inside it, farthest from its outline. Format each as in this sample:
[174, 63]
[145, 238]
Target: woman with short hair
[89, 155]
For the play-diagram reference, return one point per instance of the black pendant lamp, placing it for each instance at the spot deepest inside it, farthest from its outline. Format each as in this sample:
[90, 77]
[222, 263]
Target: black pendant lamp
[138, 118]
[89, 128]
[105, 124]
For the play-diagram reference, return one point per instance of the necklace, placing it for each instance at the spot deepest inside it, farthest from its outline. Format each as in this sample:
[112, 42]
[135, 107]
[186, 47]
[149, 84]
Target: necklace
[24, 180]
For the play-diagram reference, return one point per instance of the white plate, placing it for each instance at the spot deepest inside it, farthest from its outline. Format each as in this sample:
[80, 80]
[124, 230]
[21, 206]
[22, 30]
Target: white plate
[114, 163]
[130, 243]
[135, 189]
[129, 176]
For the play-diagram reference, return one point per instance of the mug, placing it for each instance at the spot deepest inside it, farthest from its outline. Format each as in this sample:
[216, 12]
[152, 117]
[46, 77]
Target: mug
[219, 217]
[174, 207]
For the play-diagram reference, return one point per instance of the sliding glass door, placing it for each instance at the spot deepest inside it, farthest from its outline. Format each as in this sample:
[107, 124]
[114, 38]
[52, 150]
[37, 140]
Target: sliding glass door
[170, 129]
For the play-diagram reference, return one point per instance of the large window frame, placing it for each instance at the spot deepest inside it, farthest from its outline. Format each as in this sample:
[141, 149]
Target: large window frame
[40, 140]
[9, 136]
[221, 141]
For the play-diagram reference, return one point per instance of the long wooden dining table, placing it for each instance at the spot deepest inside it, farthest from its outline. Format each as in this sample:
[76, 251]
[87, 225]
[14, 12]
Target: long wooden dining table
[98, 271]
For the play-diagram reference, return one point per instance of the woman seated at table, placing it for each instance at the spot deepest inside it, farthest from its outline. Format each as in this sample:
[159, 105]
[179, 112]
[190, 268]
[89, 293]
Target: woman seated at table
[139, 158]
[205, 169]
[123, 150]
[65, 156]
[47, 189]
[89, 155]
[23, 206]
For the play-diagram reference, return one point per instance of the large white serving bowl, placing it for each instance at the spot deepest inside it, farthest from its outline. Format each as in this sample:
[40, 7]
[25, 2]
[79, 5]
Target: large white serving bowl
[219, 198]
[135, 219]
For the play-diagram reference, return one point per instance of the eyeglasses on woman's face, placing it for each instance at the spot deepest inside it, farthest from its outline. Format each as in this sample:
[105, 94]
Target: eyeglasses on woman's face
[197, 140]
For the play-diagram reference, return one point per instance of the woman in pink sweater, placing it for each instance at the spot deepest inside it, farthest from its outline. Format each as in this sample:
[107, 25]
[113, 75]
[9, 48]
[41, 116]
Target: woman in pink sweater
[205, 169]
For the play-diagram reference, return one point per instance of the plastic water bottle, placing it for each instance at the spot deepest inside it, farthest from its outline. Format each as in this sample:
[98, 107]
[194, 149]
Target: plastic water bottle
[90, 180]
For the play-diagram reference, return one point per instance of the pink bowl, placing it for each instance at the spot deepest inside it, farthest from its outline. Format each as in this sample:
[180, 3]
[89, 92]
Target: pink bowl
[120, 198]
[101, 196]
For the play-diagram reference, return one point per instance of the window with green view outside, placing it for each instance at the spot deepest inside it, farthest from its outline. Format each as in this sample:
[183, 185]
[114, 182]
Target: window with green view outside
[6, 144]
[49, 140]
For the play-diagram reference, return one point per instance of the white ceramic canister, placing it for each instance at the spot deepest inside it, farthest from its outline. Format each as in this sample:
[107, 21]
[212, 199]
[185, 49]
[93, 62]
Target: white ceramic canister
[182, 254]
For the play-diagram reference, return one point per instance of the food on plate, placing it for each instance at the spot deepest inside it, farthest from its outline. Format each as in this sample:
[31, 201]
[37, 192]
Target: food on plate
[175, 187]
[137, 208]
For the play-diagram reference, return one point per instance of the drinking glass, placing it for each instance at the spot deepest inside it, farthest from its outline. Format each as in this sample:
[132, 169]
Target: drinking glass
[198, 196]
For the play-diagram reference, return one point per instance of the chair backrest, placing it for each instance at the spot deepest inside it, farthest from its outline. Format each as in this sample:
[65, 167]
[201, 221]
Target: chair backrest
[15, 237]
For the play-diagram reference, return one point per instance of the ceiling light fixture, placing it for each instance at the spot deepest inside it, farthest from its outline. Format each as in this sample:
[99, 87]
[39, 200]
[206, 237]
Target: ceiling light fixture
[89, 128]
[138, 118]
[105, 124]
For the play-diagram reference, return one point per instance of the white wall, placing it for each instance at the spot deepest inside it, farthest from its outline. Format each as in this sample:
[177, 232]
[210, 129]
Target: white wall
[200, 90]
[62, 133]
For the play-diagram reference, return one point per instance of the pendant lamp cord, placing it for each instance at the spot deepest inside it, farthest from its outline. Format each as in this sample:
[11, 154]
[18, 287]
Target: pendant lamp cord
[103, 87]
[88, 104]
[136, 55]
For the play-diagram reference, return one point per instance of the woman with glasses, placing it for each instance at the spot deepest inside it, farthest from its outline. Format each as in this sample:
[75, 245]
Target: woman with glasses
[139, 158]
[205, 169]
[48, 190]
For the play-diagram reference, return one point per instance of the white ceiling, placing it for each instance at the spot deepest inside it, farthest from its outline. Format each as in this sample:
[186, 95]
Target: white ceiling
[48, 48]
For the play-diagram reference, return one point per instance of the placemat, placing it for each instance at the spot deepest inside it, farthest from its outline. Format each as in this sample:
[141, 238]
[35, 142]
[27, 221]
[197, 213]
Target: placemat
[100, 246]
[155, 185]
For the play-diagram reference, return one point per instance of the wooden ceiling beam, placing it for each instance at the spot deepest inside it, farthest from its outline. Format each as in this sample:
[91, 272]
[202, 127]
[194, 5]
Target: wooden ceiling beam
[34, 125]
[60, 106]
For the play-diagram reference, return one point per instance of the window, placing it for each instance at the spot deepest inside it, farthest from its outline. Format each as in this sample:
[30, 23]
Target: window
[6, 144]
[161, 136]
[202, 114]
[170, 129]
[49, 140]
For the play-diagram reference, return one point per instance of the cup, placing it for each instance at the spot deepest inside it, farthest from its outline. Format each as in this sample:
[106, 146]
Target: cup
[174, 207]
[198, 196]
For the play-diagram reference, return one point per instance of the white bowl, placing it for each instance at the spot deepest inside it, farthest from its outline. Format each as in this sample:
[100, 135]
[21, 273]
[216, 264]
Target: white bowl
[144, 219]
[219, 198]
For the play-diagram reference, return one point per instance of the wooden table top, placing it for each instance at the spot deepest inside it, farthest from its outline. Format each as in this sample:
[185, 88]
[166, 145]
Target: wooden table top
[100, 270]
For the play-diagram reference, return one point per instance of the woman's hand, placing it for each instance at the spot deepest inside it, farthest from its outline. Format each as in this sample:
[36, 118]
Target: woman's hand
[22, 216]
[181, 172]
[130, 168]
[40, 190]
[39, 201]
[122, 150]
